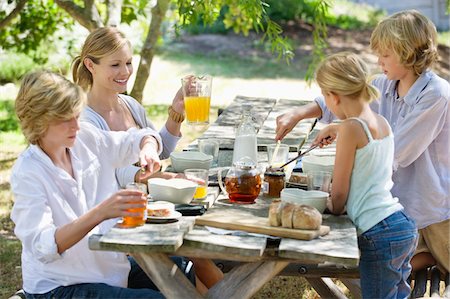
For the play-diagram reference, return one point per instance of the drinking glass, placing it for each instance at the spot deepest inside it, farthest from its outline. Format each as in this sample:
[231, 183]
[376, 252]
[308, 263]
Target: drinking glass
[197, 98]
[281, 156]
[320, 180]
[200, 176]
[210, 147]
[129, 222]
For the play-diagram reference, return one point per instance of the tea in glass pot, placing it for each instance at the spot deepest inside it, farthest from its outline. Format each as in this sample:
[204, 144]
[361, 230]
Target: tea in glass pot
[242, 182]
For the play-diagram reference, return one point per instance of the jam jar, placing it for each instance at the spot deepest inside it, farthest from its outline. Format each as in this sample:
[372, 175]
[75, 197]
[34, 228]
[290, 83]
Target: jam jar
[274, 180]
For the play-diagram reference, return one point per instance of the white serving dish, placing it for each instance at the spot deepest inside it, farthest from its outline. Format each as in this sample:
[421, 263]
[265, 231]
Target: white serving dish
[190, 159]
[172, 190]
[312, 163]
[314, 198]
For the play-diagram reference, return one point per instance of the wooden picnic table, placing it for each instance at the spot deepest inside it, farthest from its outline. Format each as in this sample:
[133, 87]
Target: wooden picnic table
[255, 259]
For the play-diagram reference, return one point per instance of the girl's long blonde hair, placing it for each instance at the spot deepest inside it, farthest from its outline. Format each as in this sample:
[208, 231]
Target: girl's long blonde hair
[346, 74]
[100, 43]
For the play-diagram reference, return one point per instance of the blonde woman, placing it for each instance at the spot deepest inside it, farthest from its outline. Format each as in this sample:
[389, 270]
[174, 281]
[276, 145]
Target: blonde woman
[362, 177]
[103, 69]
[64, 190]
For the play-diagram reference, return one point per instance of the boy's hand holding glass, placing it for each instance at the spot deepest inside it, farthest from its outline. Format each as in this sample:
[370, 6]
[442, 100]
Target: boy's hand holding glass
[136, 201]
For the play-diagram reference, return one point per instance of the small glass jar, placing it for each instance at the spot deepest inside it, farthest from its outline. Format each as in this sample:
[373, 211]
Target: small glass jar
[274, 181]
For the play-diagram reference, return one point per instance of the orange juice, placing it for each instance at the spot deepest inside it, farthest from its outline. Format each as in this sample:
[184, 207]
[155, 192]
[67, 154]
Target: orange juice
[134, 221]
[197, 108]
[201, 192]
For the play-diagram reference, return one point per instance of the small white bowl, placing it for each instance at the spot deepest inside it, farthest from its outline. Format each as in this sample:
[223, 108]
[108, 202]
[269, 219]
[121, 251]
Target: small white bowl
[313, 163]
[314, 198]
[172, 190]
[189, 159]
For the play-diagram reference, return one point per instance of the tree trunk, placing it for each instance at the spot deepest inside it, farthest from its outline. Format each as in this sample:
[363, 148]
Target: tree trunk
[88, 16]
[114, 12]
[148, 49]
[8, 19]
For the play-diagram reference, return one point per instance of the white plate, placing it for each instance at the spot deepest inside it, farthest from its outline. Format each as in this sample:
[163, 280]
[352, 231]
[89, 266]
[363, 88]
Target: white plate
[171, 218]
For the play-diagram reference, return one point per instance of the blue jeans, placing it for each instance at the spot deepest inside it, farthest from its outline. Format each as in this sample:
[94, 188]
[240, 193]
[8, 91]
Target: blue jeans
[386, 250]
[139, 285]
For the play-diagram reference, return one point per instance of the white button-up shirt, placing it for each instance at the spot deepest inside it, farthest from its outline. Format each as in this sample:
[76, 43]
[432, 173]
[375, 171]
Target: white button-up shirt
[46, 197]
[421, 125]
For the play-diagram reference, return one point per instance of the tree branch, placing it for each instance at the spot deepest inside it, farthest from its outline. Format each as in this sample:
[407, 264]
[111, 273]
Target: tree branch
[114, 12]
[88, 17]
[20, 5]
[148, 49]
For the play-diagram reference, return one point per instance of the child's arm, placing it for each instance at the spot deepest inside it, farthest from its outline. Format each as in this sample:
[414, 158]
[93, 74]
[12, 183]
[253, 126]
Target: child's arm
[345, 156]
[327, 135]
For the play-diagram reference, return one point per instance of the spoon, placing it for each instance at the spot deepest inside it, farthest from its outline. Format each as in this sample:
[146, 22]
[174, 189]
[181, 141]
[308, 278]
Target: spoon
[301, 154]
[275, 152]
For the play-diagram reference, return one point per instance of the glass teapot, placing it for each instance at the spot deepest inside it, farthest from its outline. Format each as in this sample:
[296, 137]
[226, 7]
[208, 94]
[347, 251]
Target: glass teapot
[242, 182]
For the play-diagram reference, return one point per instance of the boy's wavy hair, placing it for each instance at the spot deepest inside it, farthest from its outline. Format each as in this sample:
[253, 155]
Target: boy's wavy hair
[411, 35]
[45, 97]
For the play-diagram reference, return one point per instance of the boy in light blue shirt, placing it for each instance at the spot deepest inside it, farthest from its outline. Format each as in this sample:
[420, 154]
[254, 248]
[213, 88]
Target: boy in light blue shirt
[415, 102]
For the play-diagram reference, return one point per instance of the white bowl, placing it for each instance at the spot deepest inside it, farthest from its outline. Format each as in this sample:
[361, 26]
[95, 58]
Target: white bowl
[189, 159]
[313, 163]
[314, 198]
[172, 190]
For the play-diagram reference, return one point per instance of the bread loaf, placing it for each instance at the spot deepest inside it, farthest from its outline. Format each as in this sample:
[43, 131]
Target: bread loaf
[286, 214]
[275, 213]
[306, 217]
[290, 215]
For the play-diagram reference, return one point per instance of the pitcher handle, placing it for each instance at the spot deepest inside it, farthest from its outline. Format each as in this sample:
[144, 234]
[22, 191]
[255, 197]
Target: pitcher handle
[219, 177]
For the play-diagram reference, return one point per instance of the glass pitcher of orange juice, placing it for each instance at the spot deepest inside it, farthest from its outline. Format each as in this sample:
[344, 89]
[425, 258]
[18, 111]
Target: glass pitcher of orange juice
[197, 98]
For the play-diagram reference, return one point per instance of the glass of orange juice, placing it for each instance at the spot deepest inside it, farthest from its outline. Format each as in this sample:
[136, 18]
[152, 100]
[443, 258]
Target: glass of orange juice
[197, 98]
[129, 222]
[200, 176]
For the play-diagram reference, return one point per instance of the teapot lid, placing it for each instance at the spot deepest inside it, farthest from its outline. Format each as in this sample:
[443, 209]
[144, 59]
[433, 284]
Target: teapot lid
[245, 163]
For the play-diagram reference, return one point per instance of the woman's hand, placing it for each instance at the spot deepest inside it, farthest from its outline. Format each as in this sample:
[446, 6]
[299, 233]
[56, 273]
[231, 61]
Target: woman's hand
[326, 136]
[143, 177]
[178, 101]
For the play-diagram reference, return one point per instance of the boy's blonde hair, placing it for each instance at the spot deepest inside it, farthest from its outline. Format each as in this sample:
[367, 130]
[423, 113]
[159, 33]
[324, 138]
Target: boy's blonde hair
[100, 43]
[411, 36]
[45, 97]
[347, 75]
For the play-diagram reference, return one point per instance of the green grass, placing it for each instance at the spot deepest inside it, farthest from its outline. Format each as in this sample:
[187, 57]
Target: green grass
[444, 38]
[230, 66]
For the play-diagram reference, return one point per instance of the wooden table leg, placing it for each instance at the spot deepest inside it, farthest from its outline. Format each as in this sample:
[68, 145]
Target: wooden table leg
[325, 287]
[245, 280]
[354, 286]
[166, 275]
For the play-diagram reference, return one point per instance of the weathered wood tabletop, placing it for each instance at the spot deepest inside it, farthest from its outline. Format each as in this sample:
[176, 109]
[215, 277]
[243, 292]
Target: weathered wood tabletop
[258, 257]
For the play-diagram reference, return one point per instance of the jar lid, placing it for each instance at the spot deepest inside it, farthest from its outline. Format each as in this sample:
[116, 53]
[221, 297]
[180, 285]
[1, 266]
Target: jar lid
[274, 172]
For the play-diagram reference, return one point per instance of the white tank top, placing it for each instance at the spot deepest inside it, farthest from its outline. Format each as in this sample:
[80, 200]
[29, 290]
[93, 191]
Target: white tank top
[370, 200]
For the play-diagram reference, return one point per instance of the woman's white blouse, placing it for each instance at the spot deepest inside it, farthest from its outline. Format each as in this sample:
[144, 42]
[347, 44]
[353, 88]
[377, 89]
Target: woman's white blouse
[46, 197]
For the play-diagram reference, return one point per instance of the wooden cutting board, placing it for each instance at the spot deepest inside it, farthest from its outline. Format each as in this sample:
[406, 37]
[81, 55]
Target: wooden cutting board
[244, 221]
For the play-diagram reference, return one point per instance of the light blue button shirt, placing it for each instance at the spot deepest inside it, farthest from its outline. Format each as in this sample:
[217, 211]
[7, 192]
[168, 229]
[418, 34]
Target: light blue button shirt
[421, 125]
